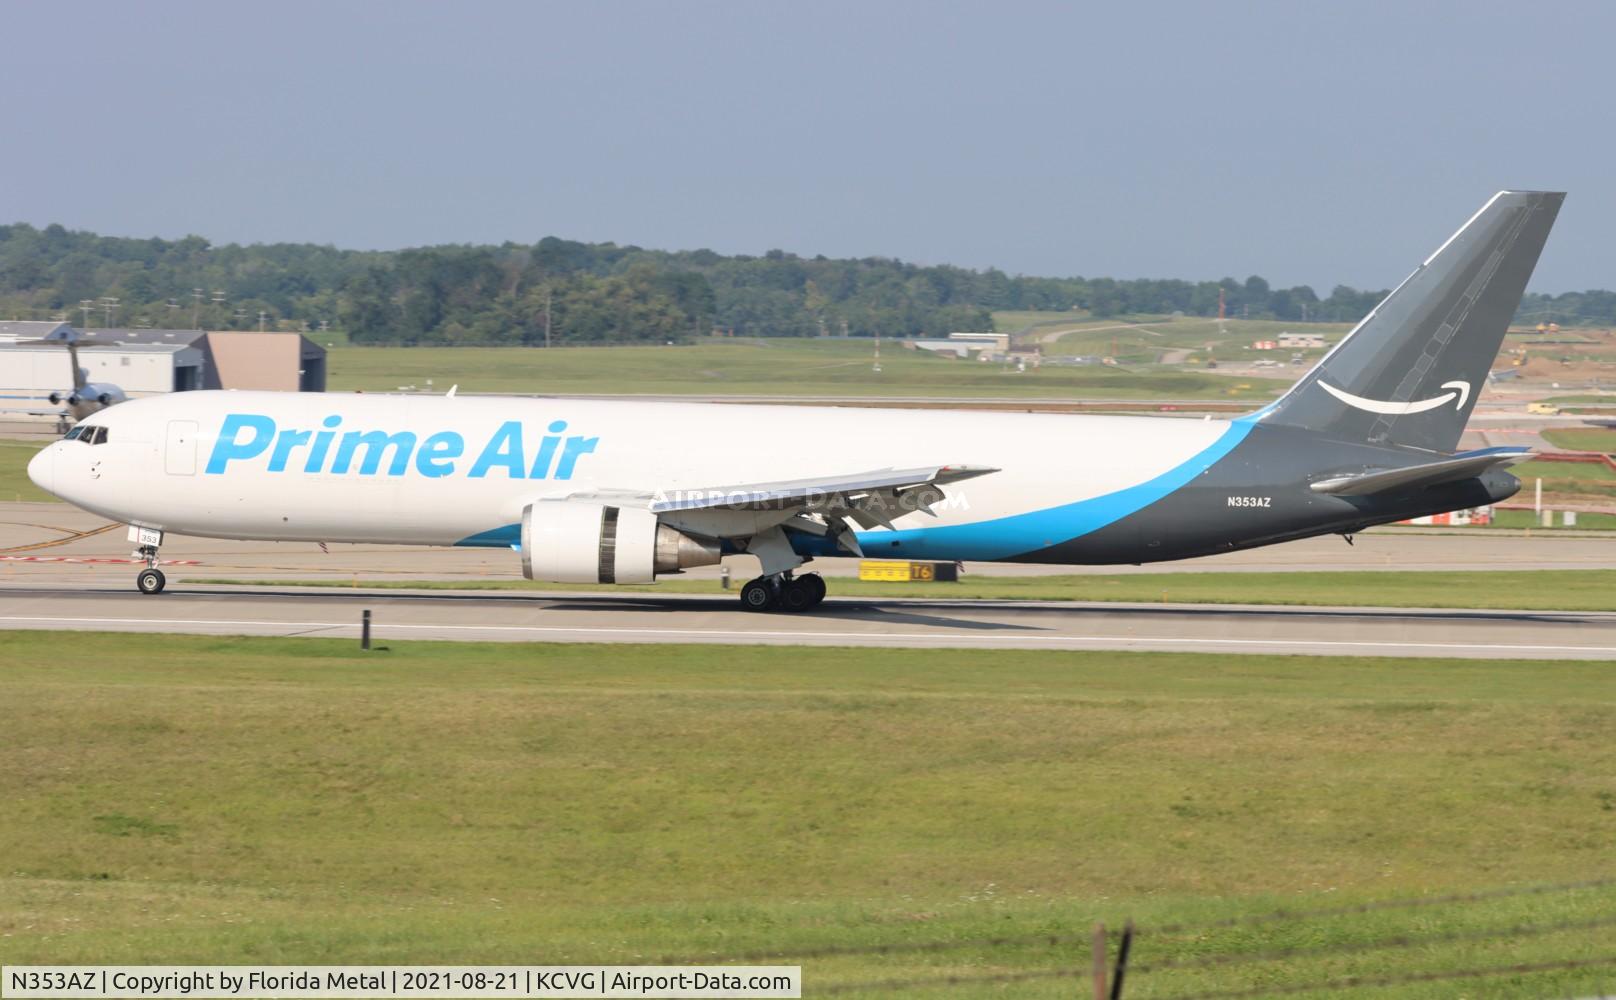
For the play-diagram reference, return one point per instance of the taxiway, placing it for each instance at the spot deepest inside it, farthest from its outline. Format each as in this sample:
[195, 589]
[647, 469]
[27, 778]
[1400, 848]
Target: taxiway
[911, 622]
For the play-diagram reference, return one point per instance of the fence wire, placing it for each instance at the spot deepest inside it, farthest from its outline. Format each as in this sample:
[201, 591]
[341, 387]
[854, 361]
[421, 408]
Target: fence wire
[1366, 982]
[1399, 942]
[1166, 930]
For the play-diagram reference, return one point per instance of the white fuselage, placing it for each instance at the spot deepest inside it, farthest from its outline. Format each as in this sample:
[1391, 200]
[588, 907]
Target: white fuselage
[435, 470]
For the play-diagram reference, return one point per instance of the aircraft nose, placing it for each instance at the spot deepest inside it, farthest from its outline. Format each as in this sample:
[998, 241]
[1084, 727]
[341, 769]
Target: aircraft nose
[41, 469]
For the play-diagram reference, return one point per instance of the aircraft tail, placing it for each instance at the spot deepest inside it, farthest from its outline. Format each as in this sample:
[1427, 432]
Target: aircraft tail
[1409, 373]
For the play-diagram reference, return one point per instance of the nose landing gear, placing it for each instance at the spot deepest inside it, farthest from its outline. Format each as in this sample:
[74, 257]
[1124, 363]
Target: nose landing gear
[151, 579]
[783, 592]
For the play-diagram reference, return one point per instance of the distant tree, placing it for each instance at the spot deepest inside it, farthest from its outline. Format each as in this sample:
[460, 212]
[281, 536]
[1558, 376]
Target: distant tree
[609, 293]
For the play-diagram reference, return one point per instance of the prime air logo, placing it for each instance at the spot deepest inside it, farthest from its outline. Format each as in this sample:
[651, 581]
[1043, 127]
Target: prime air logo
[245, 437]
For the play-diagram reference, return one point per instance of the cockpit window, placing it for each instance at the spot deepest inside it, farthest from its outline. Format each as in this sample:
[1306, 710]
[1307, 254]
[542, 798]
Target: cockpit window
[100, 436]
[74, 433]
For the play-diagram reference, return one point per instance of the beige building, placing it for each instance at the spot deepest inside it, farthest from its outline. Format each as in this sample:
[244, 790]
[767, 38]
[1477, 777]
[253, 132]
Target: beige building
[281, 362]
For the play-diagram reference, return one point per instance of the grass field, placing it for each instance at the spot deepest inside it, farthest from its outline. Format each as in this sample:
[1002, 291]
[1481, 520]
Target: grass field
[1604, 399]
[1533, 590]
[1016, 320]
[1582, 438]
[1152, 339]
[175, 799]
[14, 482]
[1566, 482]
[1529, 519]
[783, 367]
[1579, 472]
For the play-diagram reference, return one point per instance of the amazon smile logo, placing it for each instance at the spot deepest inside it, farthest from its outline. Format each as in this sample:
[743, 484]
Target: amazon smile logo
[1460, 392]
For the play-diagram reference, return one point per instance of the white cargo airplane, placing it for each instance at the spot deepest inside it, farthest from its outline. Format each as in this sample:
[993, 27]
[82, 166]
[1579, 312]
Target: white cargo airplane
[622, 492]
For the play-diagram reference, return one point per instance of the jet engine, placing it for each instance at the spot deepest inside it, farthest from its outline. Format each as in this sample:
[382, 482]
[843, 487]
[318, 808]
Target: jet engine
[102, 393]
[572, 541]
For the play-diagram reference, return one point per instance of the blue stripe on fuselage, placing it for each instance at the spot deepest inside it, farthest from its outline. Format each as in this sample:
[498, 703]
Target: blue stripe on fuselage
[1000, 538]
[1006, 537]
[507, 536]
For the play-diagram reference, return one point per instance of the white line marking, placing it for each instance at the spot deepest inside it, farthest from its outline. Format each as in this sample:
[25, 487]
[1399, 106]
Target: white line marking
[750, 633]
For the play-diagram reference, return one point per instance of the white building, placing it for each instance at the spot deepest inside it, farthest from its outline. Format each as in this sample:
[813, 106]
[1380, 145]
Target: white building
[148, 362]
[964, 345]
[1296, 340]
[30, 372]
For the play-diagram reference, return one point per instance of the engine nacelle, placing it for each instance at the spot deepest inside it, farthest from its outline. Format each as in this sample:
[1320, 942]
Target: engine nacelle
[104, 393]
[572, 541]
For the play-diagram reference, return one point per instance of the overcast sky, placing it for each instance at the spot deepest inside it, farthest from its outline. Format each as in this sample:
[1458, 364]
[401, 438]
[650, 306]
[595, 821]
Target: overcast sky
[1306, 142]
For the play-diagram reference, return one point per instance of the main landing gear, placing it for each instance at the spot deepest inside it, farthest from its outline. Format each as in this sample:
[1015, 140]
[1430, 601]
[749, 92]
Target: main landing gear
[783, 592]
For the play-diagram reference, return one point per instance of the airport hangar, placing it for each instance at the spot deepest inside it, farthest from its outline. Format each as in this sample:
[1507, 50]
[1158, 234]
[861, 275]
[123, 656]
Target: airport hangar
[148, 362]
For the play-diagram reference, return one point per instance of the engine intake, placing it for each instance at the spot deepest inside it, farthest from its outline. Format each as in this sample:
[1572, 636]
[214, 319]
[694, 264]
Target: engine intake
[570, 541]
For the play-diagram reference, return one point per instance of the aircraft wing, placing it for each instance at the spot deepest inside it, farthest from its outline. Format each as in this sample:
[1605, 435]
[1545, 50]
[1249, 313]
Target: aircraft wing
[1466, 465]
[811, 492]
[819, 505]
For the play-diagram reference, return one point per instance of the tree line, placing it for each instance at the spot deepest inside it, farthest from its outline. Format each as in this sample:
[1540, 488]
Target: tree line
[568, 292]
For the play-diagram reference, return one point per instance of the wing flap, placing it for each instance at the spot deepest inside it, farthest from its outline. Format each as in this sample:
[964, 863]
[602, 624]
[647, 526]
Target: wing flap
[1467, 465]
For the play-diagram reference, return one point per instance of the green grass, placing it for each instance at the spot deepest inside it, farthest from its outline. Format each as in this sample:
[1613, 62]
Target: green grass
[1536, 590]
[1529, 519]
[1582, 438]
[14, 482]
[175, 800]
[783, 367]
[1014, 320]
[1563, 480]
[1582, 472]
[1195, 332]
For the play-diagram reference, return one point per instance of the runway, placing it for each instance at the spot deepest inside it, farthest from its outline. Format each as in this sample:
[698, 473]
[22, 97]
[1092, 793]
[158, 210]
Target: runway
[53, 544]
[913, 623]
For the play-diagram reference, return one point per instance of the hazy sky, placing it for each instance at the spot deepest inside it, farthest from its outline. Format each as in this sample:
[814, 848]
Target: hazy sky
[1307, 142]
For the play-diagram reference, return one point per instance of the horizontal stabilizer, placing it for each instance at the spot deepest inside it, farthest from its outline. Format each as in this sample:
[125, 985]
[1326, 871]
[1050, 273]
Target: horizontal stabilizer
[1467, 465]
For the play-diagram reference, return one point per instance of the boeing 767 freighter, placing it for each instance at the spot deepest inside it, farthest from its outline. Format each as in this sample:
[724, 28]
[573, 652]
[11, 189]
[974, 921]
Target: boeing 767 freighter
[622, 491]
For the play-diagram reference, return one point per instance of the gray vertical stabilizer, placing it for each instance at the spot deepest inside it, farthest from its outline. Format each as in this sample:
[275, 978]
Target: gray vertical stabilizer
[1409, 373]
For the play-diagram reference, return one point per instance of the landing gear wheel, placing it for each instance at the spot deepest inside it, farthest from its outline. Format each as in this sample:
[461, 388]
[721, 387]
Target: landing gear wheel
[151, 581]
[759, 595]
[816, 587]
[798, 594]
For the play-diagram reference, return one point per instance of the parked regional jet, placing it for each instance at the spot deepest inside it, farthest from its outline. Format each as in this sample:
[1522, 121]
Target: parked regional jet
[623, 492]
[85, 397]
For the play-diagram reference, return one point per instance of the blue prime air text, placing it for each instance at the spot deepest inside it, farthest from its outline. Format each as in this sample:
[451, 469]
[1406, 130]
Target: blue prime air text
[246, 437]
